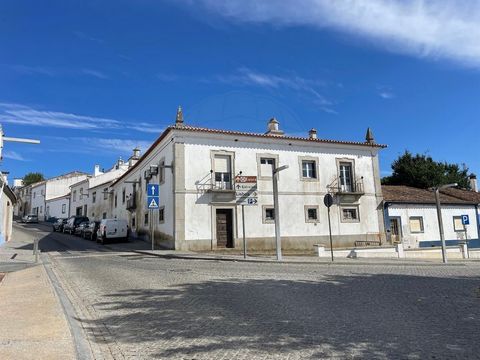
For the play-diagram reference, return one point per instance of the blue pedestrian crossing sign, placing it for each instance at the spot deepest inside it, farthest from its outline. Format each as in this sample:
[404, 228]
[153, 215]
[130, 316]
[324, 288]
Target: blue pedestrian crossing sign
[153, 196]
[465, 220]
[152, 202]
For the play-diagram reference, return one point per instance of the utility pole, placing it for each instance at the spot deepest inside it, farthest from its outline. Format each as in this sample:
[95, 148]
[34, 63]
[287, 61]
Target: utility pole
[276, 211]
[440, 221]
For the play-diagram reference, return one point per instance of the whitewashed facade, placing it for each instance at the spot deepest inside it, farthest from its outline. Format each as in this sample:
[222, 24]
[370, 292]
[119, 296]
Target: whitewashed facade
[196, 172]
[412, 217]
[57, 207]
[7, 202]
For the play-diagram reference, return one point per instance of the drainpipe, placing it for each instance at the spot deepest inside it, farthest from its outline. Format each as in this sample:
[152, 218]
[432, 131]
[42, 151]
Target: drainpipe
[386, 219]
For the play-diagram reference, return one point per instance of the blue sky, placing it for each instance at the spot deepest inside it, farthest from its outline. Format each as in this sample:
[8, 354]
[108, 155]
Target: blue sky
[93, 79]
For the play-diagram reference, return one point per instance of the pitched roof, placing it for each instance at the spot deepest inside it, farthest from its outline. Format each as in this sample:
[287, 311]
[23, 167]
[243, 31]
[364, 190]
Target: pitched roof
[242, 133]
[463, 194]
[410, 195]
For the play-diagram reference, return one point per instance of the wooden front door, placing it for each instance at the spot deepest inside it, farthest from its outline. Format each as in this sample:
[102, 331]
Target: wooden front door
[395, 230]
[224, 228]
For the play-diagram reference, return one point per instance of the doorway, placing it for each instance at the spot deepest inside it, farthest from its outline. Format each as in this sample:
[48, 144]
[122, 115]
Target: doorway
[224, 221]
[395, 230]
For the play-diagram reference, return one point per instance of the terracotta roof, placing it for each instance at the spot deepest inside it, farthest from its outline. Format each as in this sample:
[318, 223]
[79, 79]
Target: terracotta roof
[241, 133]
[463, 194]
[410, 195]
[286, 137]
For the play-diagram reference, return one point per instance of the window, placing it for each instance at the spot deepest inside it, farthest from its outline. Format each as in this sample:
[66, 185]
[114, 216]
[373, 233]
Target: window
[81, 194]
[350, 214]
[74, 196]
[311, 214]
[268, 214]
[161, 214]
[416, 224]
[123, 196]
[222, 165]
[47, 210]
[64, 208]
[457, 224]
[115, 200]
[105, 194]
[34, 194]
[266, 166]
[41, 209]
[146, 219]
[346, 176]
[308, 169]
[104, 215]
[133, 222]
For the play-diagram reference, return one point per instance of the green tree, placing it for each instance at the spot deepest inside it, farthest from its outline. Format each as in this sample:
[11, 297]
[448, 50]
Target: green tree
[32, 177]
[422, 171]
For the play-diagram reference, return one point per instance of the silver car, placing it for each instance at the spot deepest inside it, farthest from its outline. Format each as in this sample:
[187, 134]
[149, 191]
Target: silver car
[30, 219]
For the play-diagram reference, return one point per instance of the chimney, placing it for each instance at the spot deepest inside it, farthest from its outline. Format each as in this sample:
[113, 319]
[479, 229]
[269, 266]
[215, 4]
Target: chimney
[473, 182]
[134, 158]
[369, 137]
[179, 117]
[312, 134]
[272, 128]
[96, 170]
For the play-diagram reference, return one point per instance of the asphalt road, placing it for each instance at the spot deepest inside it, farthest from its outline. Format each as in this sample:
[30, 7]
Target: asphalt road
[133, 306]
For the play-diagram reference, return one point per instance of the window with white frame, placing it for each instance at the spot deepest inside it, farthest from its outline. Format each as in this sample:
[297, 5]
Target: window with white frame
[105, 194]
[266, 166]
[94, 197]
[416, 224]
[64, 208]
[309, 169]
[268, 214]
[458, 224]
[74, 196]
[349, 214]
[81, 194]
[311, 214]
[161, 214]
[223, 172]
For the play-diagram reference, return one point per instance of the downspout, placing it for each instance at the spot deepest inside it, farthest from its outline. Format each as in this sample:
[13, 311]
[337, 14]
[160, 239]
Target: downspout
[386, 220]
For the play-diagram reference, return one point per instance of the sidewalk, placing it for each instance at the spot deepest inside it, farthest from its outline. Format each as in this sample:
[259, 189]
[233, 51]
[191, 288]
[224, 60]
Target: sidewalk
[32, 320]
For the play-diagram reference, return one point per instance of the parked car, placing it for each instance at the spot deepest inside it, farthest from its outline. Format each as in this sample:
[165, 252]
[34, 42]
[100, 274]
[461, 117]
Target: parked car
[90, 231]
[29, 219]
[58, 225]
[79, 229]
[112, 230]
[72, 223]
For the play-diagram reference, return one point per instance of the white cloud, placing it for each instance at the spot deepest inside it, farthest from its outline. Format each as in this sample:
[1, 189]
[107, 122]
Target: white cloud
[94, 73]
[386, 94]
[424, 28]
[247, 76]
[24, 115]
[117, 145]
[12, 155]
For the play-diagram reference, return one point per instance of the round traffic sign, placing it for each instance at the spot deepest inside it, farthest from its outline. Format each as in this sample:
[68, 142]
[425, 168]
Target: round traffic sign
[328, 200]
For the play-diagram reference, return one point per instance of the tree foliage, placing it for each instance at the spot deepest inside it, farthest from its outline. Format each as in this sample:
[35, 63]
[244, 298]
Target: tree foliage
[32, 177]
[421, 171]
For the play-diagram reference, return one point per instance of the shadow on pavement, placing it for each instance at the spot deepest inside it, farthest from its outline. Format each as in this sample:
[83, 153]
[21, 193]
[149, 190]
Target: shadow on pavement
[360, 316]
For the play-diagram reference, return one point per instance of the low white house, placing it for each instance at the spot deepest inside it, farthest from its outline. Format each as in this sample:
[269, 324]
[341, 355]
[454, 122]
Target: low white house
[57, 207]
[7, 202]
[196, 169]
[91, 197]
[411, 217]
[54, 188]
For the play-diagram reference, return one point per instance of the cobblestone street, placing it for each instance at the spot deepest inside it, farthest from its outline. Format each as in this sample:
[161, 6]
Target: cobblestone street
[139, 307]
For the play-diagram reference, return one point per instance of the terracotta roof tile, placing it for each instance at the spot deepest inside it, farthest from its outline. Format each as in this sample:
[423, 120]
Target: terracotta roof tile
[463, 194]
[407, 194]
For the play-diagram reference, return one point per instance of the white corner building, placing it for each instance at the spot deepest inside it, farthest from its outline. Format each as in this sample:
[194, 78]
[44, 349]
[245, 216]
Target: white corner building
[196, 169]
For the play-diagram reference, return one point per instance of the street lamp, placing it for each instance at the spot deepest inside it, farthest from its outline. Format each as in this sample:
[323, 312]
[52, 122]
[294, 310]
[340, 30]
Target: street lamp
[276, 212]
[439, 215]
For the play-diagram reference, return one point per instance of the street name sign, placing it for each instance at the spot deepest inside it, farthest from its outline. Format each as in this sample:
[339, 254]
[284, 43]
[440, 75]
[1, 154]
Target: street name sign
[465, 220]
[246, 190]
[153, 196]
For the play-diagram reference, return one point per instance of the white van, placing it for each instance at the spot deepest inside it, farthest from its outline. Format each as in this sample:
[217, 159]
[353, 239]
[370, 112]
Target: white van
[112, 229]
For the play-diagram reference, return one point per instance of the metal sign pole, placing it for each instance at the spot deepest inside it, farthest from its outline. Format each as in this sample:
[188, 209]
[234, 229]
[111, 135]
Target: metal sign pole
[244, 239]
[330, 231]
[152, 231]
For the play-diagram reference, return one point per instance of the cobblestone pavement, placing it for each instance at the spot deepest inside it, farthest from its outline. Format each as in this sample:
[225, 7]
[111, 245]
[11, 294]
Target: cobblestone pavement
[135, 306]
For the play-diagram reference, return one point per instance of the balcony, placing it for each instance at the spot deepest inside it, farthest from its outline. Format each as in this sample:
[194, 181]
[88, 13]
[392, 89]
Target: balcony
[132, 203]
[341, 187]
